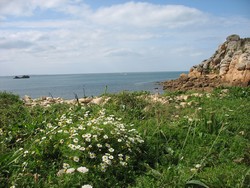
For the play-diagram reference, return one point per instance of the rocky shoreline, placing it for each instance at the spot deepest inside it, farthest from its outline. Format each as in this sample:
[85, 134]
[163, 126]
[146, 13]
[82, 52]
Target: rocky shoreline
[228, 66]
[201, 83]
[48, 101]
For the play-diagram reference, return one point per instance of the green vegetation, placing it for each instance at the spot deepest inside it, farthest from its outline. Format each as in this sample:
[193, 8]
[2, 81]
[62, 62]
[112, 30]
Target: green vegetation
[134, 140]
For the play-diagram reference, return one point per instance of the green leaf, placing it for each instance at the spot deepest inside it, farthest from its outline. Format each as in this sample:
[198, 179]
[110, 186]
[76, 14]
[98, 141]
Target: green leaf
[196, 183]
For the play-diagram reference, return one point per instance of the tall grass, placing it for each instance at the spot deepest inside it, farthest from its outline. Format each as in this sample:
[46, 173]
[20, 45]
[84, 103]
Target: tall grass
[131, 141]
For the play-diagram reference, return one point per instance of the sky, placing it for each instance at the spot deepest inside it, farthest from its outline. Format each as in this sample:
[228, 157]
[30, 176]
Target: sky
[103, 36]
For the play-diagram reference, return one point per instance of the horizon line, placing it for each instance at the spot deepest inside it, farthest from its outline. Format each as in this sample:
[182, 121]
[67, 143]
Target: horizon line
[55, 74]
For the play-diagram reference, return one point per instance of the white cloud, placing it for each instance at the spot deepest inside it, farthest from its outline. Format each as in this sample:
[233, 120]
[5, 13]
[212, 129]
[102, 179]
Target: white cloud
[17, 44]
[148, 15]
[121, 52]
[122, 37]
[29, 7]
[42, 24]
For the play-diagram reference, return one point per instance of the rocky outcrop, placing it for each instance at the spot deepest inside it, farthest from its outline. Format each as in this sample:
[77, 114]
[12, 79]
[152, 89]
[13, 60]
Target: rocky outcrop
[200, 83]
[229, 65]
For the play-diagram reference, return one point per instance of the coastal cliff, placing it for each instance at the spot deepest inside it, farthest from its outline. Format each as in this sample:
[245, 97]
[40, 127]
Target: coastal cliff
[228, 66]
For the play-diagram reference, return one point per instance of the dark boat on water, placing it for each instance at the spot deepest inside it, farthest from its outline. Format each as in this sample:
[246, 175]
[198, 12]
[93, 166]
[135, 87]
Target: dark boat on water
[21, 77]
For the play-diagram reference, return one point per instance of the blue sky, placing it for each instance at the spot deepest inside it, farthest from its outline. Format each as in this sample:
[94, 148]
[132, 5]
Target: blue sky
[89, 36]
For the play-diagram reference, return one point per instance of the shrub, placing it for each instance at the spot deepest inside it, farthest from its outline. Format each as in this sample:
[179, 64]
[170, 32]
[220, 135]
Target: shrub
[128, 105]
[82, 147]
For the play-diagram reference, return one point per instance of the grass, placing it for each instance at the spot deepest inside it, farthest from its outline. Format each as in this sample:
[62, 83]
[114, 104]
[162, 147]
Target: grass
[182, 139]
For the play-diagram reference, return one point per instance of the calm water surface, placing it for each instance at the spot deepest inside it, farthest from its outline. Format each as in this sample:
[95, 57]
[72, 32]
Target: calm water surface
[92, 84]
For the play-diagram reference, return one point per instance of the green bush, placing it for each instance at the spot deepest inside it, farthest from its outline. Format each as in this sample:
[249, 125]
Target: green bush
[81, 141]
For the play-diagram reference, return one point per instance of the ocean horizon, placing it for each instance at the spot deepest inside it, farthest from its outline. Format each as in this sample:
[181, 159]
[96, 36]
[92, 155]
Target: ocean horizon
[87, 84]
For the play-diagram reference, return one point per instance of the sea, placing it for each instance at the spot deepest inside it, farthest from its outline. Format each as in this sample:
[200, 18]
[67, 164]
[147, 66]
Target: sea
[67, 86]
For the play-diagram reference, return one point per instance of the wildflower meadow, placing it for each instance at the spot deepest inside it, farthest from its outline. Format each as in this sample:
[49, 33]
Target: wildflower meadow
[178, 139]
